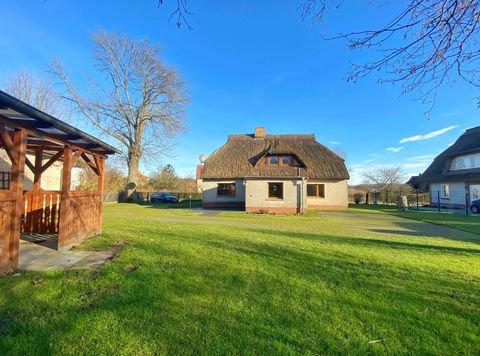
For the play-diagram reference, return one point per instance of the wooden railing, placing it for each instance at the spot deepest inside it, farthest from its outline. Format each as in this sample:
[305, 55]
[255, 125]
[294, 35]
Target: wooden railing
[40, 213]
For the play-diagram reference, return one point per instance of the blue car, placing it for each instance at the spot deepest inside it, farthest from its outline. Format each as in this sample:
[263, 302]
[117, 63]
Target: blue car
[163, 198]
[475, 206]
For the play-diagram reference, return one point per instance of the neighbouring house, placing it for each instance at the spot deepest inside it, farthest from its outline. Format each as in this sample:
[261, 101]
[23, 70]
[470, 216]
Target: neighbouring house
[274, 174]
[51, 177]
[453, 178]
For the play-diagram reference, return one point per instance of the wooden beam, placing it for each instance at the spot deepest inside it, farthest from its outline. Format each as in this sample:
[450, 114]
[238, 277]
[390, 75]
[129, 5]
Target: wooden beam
[51, 161]
[67, 171]
[7, 141]
[90, 163]
[56, 139]
[100, 187]
[66, 215]
[20, 149]
[76, 156]
[30, 165]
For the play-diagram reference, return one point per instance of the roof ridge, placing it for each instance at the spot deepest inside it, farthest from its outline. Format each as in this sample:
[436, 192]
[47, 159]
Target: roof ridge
[267, 136]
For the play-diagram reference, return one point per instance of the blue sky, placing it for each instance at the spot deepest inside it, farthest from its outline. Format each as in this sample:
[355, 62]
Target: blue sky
[248, 64]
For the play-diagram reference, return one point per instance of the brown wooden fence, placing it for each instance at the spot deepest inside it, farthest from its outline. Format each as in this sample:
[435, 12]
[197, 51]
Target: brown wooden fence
[40, 213]
[81, 214]
[7, 204]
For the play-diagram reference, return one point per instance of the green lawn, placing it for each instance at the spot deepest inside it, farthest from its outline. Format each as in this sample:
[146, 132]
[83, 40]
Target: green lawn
[195, 283]
[457, 220]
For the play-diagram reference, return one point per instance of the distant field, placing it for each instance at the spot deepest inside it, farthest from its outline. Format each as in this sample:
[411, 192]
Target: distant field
[195, 282]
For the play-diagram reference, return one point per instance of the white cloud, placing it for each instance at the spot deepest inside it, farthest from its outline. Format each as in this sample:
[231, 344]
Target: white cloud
[428, 136]
[421, 158]
[335, 142]
[394, 149]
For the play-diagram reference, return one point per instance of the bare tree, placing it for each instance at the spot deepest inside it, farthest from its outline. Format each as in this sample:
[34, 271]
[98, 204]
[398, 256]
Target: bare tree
[180, 13]
[37, 92]
[384, 179]
[140, 104]
[427, 44]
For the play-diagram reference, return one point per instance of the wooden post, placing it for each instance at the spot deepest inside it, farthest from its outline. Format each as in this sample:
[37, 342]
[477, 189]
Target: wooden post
[64, 215]
[467, 198]
[18, 172]
[37, 175]
[100, 188]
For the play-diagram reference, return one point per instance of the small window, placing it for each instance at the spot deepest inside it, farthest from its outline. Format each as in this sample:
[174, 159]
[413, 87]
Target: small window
[280, 161]
[286, 161]
[5, 180]
[316, 190]
[226, 189]
[275, 190]
[273, 160]
[445, 191]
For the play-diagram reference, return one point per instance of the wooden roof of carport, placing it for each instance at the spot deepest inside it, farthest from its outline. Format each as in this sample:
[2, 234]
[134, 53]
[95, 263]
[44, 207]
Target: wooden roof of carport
[24, 128]
[45, 130]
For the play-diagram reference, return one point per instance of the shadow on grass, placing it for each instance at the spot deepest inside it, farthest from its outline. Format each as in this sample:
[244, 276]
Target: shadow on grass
[213, 294]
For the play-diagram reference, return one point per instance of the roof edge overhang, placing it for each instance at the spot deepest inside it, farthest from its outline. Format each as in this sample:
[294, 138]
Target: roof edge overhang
[8, 101]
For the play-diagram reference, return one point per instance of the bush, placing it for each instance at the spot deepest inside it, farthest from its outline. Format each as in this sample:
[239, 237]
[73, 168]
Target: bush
[357, 198]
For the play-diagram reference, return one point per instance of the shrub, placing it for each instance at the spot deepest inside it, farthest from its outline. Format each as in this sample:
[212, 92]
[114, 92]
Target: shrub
[357, 198]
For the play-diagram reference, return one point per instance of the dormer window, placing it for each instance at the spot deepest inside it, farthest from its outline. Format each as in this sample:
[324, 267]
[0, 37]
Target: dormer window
[465, 162]
[280, 161]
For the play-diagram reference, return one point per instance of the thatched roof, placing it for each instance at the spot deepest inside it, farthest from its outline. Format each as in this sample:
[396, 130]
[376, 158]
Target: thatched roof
[438, 171]
[238, 158]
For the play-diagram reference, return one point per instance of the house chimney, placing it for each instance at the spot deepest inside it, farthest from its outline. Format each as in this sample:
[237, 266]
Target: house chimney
[259, 132]
[198, 174]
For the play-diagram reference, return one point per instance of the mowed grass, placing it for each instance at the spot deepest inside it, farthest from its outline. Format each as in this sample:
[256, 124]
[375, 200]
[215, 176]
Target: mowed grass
[457, 220]
[233, 283]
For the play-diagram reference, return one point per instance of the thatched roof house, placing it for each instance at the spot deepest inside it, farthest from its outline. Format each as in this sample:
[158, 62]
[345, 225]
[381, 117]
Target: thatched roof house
[453, 178]
[441, 169]
[248, 162]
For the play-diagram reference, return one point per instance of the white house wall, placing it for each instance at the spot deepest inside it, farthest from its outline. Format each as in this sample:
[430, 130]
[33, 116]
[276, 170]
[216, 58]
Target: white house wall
[51, 178]
[456, 197]
[257, 199]
[212, 200]
[336, 195]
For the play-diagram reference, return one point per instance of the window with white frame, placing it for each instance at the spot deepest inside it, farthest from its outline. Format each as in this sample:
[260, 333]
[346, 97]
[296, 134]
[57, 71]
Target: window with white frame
[466, 162]
[445, 191]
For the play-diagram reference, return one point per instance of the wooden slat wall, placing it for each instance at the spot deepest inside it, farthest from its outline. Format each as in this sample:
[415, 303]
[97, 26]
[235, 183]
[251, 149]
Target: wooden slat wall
[7, 202]
[41, 214]
[80, 217]
[10, 200]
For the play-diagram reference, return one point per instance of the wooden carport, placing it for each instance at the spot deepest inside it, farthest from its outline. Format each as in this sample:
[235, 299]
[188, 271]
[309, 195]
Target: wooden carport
[77, 214]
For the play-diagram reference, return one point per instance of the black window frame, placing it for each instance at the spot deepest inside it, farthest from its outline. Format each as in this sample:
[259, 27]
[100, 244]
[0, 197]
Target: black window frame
[5, 178]
[278, 196]
[319, 190]
[225, 190]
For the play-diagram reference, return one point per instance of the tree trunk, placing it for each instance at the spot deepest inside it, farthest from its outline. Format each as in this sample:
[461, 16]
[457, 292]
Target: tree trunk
[133, 161]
